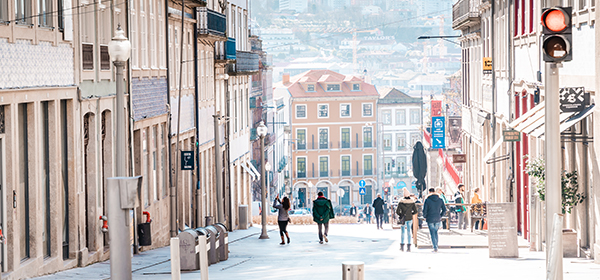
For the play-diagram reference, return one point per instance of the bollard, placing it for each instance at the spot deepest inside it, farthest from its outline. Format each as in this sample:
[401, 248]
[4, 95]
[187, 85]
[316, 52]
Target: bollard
[175, 265]
[353, 270]
[202, 250]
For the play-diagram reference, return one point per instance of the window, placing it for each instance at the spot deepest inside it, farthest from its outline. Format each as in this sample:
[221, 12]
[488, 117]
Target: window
[301, 138]
[323, 167]
[387, 142]
[23, 11]
[323, 138]
[301, 111]
[367, 137]
[87, 56]
[386, 116]
[323, 111]
[345, 138]
[388, 165]
[401, 141]
[401, 162]
[301, 167]
[45, 13]
[367, 109]
[104, 58]
[310, 87]
[345, 165]
[333, 87]
[415, 116]
[400, 117]
[355, 87]
[368, 164]
[45, 188]
[22, 191]
[155, 146]
[4, 11]
[414, 138]
[345, 110]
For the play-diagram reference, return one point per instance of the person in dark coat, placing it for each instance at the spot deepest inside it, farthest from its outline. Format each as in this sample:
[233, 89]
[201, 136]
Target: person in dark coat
[353, 210]
[433, 210]
[378, 205]
[406, 209]
[368, 211]
[322, 213]
[386, 212]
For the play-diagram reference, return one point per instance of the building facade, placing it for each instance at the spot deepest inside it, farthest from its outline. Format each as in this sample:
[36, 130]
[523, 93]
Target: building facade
[333, 123]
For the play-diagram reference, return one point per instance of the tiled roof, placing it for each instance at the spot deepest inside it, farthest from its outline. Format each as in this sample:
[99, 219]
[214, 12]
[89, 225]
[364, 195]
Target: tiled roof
[323, 77]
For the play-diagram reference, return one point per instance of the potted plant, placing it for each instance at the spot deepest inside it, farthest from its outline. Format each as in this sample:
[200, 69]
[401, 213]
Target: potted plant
[536, 168]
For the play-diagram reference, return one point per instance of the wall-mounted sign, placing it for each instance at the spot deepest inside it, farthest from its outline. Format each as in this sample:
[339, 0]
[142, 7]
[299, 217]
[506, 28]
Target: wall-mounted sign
[436, 108]
[187, 160]
[511, 135]
[487, 65]
[573, 99]
[459, 158]
[438, 132]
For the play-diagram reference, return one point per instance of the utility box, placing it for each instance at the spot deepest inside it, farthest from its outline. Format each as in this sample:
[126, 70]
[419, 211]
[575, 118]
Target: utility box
[243, 216]
[188, 257]
[223, 250]
[213, 252]
[570, 246]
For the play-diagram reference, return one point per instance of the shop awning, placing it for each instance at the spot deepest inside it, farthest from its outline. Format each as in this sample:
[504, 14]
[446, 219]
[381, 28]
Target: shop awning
[245, 166]
[253, 168]
[533, 121]
[493, 150]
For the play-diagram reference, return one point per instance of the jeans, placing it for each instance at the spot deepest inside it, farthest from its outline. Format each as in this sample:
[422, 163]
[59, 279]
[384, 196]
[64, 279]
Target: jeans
[477, 224]
[282, 227]
[462, 220]
[433, 232]
[368, 219]
[379, 219]
[321, 233]
[406, 227]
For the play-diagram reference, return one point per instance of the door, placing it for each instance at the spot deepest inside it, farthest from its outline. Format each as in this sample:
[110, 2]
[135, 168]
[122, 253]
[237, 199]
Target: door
[346, 197]
[301, 197]
[324, 190]
[2, 249]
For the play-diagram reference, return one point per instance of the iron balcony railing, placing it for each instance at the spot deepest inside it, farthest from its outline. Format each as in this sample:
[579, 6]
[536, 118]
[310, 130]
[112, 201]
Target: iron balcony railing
[192, 3]
[211, 23]
[316, 145]
[465, 13]
[225, 50]
[246, 62]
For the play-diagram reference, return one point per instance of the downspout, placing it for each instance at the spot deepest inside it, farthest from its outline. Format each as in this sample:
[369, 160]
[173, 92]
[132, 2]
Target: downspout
[197, 120]
[173, 217]
[227, 166]
[493, 118]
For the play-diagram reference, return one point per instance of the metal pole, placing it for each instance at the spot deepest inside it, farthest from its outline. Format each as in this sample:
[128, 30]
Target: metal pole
[263, 193]
[119, 231]
[120, 145]
[219, 171]
[553, 171]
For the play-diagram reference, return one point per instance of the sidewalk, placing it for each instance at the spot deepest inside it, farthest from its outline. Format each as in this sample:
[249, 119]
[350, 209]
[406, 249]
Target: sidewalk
[455, 238]
[304, 258]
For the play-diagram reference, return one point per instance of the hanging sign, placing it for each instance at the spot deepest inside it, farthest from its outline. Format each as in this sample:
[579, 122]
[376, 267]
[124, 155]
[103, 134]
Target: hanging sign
[187, 160]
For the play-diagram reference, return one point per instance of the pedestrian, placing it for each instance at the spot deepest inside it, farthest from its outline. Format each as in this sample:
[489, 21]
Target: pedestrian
[461, 211]
[378, 205]
[440, 193]
[433, 211]
[322, 213]
[283, 217]
[477, 209]
[368, 211]
[386, 212]
[406, 210]
[353, 210]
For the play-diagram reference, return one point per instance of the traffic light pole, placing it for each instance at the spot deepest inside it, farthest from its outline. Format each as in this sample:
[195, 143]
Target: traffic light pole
[554, 248]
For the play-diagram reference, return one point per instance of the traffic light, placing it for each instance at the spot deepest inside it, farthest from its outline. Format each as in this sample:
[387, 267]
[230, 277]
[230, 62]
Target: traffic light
[556, 42]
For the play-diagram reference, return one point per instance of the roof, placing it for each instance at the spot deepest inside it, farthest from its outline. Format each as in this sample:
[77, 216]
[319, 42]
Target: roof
[395, 96]
[324, 77]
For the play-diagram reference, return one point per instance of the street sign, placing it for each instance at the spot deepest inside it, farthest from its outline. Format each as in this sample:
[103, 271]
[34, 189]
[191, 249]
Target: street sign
[187, 160]
[438, 132]
[362, 191]
[459, 158]
[511, 135]
[573, 99]
[487, 65]
[362, 183]
[436, 108]
[341, 192]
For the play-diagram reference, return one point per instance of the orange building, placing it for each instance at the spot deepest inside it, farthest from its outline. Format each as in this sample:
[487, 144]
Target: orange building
[333, 124]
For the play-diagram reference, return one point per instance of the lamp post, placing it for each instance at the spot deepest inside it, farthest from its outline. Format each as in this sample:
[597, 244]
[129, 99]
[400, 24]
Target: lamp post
[261, 130]
[268, 169]
[119, 50]
[311, 187]
[391, 186]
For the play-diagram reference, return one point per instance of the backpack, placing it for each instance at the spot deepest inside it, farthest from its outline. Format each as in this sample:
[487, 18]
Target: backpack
[401, 216]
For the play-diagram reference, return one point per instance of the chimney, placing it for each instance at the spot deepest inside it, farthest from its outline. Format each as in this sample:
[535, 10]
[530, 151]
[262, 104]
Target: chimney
[286, 78]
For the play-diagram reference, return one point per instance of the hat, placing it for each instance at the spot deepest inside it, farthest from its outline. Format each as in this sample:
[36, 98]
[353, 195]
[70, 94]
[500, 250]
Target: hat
[405, 192]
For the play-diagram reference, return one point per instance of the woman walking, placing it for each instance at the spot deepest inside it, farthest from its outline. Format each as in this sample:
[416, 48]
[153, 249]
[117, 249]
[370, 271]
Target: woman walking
[283, 218]
[405, 210]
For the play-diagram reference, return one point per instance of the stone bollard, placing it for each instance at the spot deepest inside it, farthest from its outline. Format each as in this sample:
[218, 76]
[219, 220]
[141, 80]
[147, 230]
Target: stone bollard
[353, 270]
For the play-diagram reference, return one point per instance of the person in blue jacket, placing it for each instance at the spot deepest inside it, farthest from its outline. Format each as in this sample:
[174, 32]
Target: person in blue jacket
[433, 211]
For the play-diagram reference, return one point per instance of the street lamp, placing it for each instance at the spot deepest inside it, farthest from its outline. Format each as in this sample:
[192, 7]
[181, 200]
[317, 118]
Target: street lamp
[119, 50]
[268, 169]
[311, 187]
[261, 130]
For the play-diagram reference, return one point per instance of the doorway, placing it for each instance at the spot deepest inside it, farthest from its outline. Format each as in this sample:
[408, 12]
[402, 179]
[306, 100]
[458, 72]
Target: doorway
[301, 197]
[346, 197]
[2, 210]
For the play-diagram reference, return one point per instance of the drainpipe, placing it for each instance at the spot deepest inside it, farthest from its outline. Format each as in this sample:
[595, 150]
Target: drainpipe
[173, 208]
[493, 118]
[197, 120]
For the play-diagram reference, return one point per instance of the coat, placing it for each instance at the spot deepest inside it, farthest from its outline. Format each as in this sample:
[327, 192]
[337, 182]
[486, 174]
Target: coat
[378, 205]
[434, 209]
[322, 210]
[408, 208]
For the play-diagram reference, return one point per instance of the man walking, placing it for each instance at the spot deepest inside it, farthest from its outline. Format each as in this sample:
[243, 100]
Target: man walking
[378, 205]
[322, 213]
[461, 211]
[368, 211]
[433, 211]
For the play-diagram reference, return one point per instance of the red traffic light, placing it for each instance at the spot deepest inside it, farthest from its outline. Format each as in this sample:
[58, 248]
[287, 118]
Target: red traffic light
[556, 19]
[557, 38]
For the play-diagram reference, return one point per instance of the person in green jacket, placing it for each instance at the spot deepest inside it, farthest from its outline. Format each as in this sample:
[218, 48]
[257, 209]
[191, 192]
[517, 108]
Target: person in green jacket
[322, 213]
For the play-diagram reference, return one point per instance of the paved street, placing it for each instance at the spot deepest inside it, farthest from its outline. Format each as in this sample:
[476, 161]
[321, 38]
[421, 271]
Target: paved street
[305, 258]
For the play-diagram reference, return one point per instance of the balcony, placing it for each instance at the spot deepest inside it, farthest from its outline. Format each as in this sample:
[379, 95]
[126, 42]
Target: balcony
[246, 63]
[225, 51]
[211, 25]
[282, 164]
[192, 3]
[465, 14]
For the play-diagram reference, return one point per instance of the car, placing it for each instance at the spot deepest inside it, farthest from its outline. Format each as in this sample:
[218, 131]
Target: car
[299, 212]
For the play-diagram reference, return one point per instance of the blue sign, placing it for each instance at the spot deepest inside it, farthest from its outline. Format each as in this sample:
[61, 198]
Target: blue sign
[362, 183]
[362, 191]
[401, 185]
[438, 132]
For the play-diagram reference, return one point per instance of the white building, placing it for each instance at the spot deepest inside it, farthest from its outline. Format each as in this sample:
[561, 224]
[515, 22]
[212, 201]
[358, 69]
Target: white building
[295, 5]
